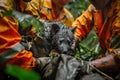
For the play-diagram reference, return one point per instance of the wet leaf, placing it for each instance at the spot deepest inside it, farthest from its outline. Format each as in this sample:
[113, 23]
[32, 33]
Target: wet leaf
[21, 73]
[26, 20]
[7, 13]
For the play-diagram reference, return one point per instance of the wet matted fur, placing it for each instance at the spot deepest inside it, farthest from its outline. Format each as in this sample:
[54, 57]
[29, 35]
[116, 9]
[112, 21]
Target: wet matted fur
[59, 37]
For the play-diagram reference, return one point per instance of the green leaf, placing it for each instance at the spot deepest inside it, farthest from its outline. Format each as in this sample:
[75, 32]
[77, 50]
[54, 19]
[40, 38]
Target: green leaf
[7, 13]
[88, 48]
[22, 74]
[26, 19]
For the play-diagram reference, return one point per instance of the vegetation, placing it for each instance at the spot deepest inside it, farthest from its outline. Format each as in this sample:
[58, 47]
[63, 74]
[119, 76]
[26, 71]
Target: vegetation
[21, 73]
[76, 7]
[89, 47]
[86, 49]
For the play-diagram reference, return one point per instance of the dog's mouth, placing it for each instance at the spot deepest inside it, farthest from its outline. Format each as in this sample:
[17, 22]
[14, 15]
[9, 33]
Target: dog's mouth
[71, 52]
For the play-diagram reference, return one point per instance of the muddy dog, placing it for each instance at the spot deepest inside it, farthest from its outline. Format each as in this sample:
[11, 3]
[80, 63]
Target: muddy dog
[59, 38]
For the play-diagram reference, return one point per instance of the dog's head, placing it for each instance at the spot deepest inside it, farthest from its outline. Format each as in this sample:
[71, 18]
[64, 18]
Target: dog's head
[59, 37]
[63, 40]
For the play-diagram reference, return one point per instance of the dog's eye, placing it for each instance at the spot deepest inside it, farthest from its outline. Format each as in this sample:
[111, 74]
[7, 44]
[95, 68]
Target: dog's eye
[60, 41]
[68, 40]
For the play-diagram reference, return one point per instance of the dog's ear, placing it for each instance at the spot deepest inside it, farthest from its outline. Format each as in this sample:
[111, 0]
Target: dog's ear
[73, 29]
[55, 28]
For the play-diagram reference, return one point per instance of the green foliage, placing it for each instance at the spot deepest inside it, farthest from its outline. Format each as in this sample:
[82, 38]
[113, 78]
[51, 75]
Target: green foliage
[21, 73]
[76, 7]
[89, 47]
[26, 20]
[7, 13]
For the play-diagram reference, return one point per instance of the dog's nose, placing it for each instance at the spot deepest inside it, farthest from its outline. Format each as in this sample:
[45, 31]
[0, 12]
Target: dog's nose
[65, 52]
[64, 48]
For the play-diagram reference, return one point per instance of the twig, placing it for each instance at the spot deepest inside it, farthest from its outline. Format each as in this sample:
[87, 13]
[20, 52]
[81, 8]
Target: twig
[108, 77]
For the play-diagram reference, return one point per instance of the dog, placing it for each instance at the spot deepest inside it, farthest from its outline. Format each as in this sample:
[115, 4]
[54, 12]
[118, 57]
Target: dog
[58, 37]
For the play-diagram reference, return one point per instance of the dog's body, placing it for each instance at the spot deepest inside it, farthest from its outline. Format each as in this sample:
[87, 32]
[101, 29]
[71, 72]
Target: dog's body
[59, 38]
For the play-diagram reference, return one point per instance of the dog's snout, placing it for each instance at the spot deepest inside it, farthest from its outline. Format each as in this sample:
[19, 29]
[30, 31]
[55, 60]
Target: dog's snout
[64, 48]
[65, 52]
